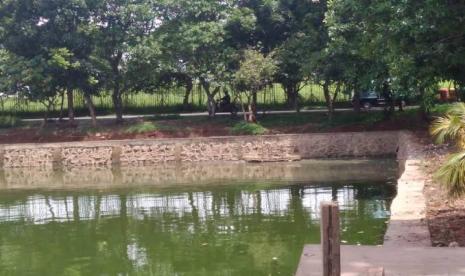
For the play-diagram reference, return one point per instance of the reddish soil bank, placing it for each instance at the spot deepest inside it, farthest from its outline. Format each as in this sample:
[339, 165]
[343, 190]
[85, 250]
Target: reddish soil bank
[108, 130]
[183, 128]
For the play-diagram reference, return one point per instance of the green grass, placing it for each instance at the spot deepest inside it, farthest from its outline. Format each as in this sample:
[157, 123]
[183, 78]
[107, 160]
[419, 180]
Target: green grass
[243, 128]
[142, 127]
[167, 101]
[9, 121]
[321, 119]
[295, 119]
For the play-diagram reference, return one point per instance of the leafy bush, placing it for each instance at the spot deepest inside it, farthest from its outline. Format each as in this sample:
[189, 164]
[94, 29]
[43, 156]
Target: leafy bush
[244, 128]
[9, 121]
[142, 127]
[452, 175]
[451, 128]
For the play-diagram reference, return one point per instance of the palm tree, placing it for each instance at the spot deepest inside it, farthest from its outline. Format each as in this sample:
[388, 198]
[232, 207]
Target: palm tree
[451, 128]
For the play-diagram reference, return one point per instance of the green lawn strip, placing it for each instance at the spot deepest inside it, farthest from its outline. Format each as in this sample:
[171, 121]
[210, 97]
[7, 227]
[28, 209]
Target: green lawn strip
[244, 128]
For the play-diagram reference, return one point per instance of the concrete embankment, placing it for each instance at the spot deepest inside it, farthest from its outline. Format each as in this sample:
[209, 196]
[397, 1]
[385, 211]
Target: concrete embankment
[407, 225]
[245, 148]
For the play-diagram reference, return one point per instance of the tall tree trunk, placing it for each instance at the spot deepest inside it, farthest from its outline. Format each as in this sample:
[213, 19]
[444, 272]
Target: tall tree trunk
[48, 107]
[211, 103]
[336, 93]
[391, 104]
[118, 104]
[252, 118]
[244, 112]
[329, 100]
[189, 87]
[91, 107]
[356, 99]
[254, 105]
[62, 95]
[116, 96]
[45, 119]
[424, 108]
[70, 97]
[292, 94]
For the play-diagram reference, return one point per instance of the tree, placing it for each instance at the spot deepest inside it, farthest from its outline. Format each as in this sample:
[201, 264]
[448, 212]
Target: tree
[54, 34]
[354, 53]
[255, 73]
[121, 25]
[32, 79]
[193, 32]
[302, 43]
[409, 37]
[289, 28]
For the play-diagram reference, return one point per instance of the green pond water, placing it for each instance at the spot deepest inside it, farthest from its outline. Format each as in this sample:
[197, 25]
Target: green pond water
[206, 220]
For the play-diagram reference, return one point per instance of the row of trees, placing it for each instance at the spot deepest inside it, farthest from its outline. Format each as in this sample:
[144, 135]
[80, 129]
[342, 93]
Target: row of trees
[57, 47]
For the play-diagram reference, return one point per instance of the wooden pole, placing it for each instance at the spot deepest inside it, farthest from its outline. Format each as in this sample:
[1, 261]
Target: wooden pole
[330, 239]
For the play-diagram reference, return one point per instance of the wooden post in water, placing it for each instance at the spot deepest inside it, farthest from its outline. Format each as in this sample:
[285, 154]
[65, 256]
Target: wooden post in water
[330, 239]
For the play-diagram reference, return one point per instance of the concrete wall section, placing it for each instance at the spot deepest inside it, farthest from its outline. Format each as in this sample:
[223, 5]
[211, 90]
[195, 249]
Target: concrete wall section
[407, 225]
[248, 148]
[348, 144]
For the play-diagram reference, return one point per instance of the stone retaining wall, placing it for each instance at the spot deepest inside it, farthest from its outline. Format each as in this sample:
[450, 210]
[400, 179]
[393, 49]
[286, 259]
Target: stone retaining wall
[407, 224]
[239, 148]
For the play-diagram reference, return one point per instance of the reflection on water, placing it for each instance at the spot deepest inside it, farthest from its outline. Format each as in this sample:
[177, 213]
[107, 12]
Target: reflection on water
[245, 227]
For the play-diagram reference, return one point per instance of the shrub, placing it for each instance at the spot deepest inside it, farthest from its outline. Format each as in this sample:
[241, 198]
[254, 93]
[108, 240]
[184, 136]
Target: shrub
[9, 121]
[244, 128]
[452, 175]
[142, 127]
[451, 128]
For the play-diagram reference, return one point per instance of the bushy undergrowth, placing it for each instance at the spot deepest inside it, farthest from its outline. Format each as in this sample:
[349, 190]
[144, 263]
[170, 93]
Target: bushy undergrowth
[243, 128]
[451, 128]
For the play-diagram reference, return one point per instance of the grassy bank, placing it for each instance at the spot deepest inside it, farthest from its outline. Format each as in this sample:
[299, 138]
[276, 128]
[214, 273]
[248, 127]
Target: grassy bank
[175, 126]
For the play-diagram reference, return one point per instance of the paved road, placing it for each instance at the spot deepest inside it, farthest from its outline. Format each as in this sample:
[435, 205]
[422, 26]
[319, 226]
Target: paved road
[203, 114]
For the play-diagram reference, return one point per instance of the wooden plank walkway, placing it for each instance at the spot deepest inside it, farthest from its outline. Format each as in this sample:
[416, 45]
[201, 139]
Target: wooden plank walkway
[405, 261]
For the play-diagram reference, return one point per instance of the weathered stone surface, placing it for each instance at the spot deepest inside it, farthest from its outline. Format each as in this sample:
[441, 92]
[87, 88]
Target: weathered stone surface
[86, 156]
[348, 144]
[205, 150]
[27, 157]
[147, 153]
[407, 225]
[270, 148]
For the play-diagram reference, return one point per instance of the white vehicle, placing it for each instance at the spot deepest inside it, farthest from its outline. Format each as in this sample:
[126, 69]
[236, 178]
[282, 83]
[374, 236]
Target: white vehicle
[6, 95]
